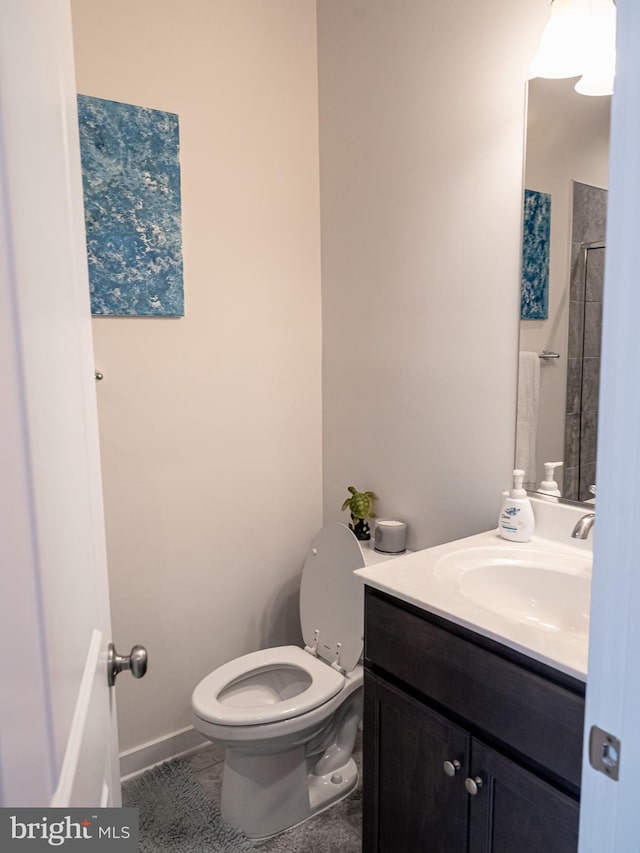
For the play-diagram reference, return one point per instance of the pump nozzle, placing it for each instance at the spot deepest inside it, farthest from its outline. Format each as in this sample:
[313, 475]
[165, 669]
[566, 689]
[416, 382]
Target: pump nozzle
[550, 469]
[549, 483]
[517, 491]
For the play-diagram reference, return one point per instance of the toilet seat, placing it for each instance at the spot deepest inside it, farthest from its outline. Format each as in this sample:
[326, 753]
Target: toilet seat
[265, 687]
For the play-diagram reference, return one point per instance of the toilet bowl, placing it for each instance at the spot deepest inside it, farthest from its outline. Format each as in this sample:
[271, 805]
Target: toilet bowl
[288, 716]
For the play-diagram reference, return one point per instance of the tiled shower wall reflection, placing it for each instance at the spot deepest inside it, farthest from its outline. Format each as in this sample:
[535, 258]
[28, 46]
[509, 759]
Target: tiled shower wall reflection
[585, 332]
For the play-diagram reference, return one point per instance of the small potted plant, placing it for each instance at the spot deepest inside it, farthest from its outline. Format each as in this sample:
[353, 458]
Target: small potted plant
[361, 506]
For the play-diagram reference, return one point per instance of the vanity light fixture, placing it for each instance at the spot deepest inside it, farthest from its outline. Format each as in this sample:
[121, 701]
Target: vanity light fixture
[579, 41]
[562, 45]
[600, 66]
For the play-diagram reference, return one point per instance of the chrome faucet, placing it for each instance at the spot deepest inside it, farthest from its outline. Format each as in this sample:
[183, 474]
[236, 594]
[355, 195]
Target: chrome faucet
[584, 525]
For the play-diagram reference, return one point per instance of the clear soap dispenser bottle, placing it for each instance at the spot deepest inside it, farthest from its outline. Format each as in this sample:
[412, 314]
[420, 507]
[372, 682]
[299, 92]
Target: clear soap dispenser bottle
[516, 521]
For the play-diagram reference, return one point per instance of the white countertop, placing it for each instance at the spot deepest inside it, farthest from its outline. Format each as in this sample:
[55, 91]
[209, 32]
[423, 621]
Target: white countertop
[412, 578]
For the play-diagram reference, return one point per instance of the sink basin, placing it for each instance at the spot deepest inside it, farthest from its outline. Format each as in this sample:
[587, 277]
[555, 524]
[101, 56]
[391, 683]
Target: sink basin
[532, 597]
[544, 589]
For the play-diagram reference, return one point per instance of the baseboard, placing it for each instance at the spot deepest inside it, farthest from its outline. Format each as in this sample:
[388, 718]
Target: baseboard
[139, 758]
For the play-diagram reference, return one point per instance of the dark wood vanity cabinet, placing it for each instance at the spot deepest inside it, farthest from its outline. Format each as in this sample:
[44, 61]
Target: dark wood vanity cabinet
[406, 793]
[444, 713]
[518, 812]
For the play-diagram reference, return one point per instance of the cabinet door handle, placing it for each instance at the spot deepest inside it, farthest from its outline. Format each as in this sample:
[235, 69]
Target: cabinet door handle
[451, 767]
[473, 785]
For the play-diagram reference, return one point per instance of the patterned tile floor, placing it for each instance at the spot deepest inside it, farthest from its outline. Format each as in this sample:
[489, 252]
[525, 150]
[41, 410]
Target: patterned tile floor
[336, 830]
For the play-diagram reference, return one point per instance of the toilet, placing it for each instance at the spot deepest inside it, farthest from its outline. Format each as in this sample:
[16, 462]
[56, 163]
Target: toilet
[288, 716]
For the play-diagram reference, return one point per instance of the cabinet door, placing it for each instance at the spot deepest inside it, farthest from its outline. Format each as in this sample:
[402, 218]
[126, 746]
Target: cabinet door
[410, 803]
[516, 812]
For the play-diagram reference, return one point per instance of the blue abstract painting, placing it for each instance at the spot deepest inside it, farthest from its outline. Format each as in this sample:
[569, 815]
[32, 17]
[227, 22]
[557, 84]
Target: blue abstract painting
[536, 238]
[131, 183]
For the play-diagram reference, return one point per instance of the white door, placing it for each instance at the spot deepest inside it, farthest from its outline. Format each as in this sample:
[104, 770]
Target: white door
[58, 742]
[609, 809]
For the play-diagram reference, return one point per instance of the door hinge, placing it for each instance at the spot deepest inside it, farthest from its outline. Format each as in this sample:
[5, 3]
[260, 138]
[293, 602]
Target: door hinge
[604, 752]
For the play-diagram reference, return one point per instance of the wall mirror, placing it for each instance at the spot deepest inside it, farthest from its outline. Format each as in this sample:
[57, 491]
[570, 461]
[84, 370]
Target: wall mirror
[566, 168]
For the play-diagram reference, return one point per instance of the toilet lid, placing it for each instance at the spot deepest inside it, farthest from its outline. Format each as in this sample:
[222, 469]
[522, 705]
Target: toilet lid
[331, 598]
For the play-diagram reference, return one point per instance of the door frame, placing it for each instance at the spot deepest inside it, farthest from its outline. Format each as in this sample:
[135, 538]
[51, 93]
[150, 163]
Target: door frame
[609, 813]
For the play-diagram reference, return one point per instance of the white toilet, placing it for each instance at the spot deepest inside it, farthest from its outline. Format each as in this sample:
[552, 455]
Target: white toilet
[287, 716]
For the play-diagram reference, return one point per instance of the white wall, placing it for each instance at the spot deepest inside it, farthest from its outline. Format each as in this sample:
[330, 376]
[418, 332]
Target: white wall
[421, 142]
[210, 424]
[567, 140]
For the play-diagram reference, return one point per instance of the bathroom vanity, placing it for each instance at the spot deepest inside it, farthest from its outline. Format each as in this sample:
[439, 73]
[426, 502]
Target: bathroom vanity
[465, 747]
[473, 720]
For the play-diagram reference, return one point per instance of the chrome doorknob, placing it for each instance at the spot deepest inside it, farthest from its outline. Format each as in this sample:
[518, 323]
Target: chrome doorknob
[136, 662]
[473, 785]
[451, 767]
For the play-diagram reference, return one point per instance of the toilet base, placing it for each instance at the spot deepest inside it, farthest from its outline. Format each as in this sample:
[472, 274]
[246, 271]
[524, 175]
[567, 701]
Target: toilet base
[326, 790]
[323, 794]
[262, 812]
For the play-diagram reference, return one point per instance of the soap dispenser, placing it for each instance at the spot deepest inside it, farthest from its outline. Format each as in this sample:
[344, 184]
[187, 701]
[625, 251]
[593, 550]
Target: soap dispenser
[549, 487]
[516, 521]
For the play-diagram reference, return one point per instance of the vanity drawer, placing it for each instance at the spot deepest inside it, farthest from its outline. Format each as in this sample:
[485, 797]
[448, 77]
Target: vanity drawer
[537, 718]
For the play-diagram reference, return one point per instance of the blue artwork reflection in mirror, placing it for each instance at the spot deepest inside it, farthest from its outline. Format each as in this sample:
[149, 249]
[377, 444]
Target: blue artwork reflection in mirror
[536, 230]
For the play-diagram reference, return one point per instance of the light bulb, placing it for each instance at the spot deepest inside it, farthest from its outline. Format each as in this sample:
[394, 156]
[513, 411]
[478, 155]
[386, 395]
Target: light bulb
[597, 78]
[561, 52]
